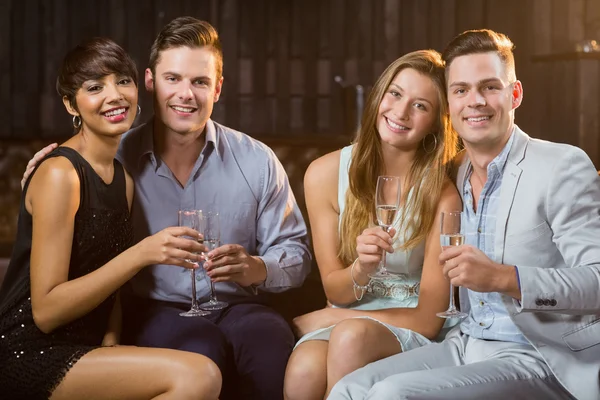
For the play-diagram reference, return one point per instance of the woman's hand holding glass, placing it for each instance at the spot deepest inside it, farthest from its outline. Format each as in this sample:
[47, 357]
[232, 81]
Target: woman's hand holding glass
[370, 246]
[172, 246]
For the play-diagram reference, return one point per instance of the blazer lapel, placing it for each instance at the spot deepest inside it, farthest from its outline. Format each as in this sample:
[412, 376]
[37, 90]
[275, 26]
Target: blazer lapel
[510, 179]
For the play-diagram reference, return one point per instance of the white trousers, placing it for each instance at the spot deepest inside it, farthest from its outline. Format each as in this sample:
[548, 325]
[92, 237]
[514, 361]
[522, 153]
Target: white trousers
[460, 367]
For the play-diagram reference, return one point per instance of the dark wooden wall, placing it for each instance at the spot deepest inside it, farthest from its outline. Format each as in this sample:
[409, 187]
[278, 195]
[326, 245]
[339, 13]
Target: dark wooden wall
[281, 56]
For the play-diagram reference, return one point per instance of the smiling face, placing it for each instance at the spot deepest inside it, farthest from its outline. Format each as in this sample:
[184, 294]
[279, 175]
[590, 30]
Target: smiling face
[185, 88]
[106, 106]
[408, 110]
[482, 100]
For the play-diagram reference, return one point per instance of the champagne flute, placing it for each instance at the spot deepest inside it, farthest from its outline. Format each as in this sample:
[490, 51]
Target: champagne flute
[212, 240]
[192, 219]
[450, 235]
[387, 202]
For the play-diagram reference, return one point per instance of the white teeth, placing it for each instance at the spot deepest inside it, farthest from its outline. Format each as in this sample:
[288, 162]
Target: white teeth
[478, 119]
[183, 109]
[395, 125]
[112, 113]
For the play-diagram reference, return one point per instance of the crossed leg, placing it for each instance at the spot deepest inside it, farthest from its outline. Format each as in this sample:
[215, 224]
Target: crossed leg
[317, 365]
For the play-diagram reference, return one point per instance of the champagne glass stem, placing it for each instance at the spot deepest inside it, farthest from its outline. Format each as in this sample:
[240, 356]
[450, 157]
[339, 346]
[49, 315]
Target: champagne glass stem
[452, 306]
[213, 294]
[194, 299]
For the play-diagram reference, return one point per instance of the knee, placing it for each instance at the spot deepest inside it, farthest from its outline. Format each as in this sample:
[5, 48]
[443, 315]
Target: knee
[196, 377]
[302, 376]
[349, 338]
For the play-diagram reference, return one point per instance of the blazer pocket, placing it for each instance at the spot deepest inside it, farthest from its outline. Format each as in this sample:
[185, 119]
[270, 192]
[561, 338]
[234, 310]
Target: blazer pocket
[584, 337]
[523, 237]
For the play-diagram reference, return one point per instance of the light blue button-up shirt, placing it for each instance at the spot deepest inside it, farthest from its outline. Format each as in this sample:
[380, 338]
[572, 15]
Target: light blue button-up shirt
[235, 175]
[488, 318]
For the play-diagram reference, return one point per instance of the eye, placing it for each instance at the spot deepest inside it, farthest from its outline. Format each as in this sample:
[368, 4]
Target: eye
[94, 88]
[395, 93]
[421, 106]
[460, 91]
[170, 79]
[125, 81]
[200, 82]
[490, 88]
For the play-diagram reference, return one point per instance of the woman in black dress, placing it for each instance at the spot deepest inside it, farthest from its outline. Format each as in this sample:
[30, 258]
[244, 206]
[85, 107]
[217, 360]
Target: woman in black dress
[59, 308]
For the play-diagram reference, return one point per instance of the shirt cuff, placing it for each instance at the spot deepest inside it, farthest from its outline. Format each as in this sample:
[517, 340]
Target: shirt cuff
[516, 302]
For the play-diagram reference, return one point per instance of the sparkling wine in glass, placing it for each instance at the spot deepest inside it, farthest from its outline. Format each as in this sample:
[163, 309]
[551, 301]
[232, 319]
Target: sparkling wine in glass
[450, 235]
[192, 219]
[212, 239]
[387, 202]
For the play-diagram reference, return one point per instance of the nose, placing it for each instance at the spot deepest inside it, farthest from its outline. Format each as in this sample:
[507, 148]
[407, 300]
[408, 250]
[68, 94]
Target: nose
[113, 92]
[477, 99]
[402, 110]
[185, 91]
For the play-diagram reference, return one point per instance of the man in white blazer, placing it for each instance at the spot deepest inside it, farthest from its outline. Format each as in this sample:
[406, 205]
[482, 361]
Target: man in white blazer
[529, 273]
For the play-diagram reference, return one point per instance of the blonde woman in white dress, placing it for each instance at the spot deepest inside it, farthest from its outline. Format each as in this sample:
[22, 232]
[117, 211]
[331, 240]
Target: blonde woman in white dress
[406, 133]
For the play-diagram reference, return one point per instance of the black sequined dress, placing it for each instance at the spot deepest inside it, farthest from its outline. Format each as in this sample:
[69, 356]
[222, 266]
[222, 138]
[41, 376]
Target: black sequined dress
[33, 363]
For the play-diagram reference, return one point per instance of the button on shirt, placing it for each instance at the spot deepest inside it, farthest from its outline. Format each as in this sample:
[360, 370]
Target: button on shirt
[488, 317]
[235, 175]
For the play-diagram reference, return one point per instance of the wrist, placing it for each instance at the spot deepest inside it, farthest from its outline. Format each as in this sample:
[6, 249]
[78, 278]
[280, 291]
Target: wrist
[359, 276]
[259, 271]
[509, 284]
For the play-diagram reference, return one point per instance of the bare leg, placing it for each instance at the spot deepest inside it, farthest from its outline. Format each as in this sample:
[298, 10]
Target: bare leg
[355, 343]
[306, 372]
[127, 372]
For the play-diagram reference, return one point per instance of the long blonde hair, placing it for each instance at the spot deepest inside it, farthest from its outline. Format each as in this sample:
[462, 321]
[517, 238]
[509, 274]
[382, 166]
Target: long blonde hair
[427, 173]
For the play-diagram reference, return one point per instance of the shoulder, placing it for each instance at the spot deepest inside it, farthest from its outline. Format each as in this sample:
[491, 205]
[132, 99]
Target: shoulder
[324, 171]
[449, 198]
[55, 178]
[241, 144]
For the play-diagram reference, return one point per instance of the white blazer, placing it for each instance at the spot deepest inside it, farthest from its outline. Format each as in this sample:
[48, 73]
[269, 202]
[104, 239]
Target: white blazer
[548, 224]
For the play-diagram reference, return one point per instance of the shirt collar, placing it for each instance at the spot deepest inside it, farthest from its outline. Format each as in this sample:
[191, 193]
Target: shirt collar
[147, 140]
[499, 162]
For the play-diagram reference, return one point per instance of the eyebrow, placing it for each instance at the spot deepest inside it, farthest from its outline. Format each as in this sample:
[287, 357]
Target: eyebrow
[481, 82]
[424, 100]
[176, 75]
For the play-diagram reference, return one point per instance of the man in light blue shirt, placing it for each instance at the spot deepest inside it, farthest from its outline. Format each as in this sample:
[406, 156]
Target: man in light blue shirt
[181, 159]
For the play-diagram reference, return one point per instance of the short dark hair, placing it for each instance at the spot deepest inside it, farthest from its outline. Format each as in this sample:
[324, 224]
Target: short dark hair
[92, 59]
[482, 41]
[187, 32]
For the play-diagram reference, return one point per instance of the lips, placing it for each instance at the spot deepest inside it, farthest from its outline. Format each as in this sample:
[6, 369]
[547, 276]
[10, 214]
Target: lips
[116, 114]
[183, 109]
[395, 127]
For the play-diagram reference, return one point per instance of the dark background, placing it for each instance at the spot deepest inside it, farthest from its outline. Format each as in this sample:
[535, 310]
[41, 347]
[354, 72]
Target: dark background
[281, 57]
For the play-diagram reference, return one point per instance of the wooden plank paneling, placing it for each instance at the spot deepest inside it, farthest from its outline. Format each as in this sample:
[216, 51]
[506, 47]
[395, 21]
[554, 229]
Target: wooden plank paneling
[5, 66]
[310, 56]
[281, 56]
[229, 41]
[470, 14]
[53, 116]
[25, 82]
[282, 33]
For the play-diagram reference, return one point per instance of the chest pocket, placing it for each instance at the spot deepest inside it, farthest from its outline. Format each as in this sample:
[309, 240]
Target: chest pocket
[238, 224]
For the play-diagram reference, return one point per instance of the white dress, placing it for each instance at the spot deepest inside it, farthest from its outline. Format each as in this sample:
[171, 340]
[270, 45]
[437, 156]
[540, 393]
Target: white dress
[402, 292]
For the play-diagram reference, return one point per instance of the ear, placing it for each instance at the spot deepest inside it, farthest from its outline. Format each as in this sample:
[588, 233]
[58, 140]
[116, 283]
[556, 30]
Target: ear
[69, 106]
[517, 94]
[218, 89]
[149, 80]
